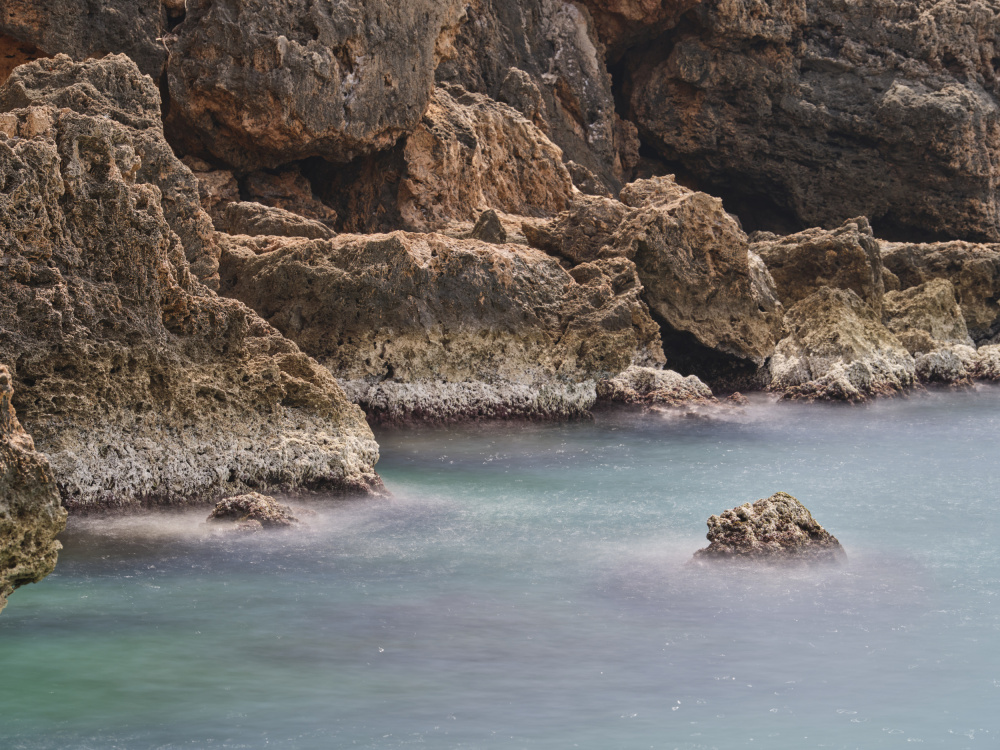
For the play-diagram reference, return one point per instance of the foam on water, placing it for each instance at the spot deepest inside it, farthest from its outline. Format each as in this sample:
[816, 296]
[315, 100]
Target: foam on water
[528, 586]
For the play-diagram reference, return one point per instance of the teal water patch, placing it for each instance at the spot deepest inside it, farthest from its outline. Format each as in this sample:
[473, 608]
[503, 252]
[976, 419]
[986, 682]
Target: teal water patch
[528, 586]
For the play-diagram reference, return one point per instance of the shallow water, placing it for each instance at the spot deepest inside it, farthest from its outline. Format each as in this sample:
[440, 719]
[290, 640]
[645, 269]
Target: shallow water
[527, 587]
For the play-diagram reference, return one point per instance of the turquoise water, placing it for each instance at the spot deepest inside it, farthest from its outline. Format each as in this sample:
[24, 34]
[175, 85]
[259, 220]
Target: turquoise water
[527, 587]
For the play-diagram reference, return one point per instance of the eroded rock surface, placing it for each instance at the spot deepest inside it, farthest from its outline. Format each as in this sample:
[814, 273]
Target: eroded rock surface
[30, 513]
[649, 386]
[825, 109]
[253, 508]
[927, 317]
[622, 24]
[427, 326]
[137, 382]
[774, 529]
[255, 219]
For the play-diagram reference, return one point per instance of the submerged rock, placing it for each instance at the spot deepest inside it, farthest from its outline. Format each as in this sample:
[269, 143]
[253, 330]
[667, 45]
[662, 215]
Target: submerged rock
[253, 511]
[30, 514]
[776, 528]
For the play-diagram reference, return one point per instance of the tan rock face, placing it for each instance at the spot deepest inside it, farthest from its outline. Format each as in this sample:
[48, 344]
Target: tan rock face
[139, 383]
[254, 507]
[30, 514]
[263, 84]
[836, 349]
[927, 317]
[829, 109]
[256, 219]
[649, 387]
[844, 258]
[427, 326]
[470, 154]
[774, 529]
[974, 270]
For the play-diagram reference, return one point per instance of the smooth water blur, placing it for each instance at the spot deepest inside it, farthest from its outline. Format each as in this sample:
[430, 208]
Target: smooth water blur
[527, 587]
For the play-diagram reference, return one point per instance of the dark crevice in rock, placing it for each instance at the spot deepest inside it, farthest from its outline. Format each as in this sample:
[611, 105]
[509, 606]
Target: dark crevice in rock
[14, 52]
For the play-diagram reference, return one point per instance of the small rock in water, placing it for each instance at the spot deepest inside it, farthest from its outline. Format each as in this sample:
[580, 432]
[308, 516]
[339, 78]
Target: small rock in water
[774, 528]
[489, 229]
[253, 511]
[737, 399]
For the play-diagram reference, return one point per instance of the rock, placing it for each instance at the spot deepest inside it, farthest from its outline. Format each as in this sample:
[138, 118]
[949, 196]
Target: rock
[927, 317]
[489, 229]
[986, 365]
[974, 270]
[291, 191]
[253, 508]
[625, 24]
[471, 154]
[261, 84]
[114, 88]
[844, 258]
[581, 233]
[256, 219]
[774, 529]
[950, 365]
[248, 527]
[431, 327]
[836, 349]
[83, 29]
[138, 382]
[508, 51]
[30, 514]
[648, 386]
[825, 109]
[737, 399]
[216, 187]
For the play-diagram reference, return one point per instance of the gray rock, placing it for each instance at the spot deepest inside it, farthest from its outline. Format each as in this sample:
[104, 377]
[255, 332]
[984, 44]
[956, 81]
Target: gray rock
[253, 511]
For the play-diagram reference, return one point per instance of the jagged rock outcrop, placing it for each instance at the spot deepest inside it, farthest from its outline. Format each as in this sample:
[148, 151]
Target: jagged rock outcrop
[254, 507]
[836, 349]
[428, 326]
[137, 382]
[622, 24]
[114, 88]
[255, 219]
[82, 29]
[583, 232]
[973, 269]
[544, 59]
[652, 387]
[844, 258]
[774, 529]
[470, 154]
[289, 190]
[825, 109]
[30, 513]
[260, 84]
[927, 317]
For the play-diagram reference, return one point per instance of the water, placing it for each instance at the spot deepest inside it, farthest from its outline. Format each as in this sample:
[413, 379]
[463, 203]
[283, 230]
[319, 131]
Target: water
[527, 588]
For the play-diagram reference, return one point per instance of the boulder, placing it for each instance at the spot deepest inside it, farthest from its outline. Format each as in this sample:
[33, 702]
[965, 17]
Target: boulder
[260, 84]
[582, 232]
[987, 363]
[254, 219]
[844, 258]
[774, 529]
[973, 270]
[649, 386]
[138, 382]
[30, 513]
[821, 110]
[115, 89]
[927, 317]
[489, 228]
[947, 365]
[433, 327]
[836, 349]
[253, 511]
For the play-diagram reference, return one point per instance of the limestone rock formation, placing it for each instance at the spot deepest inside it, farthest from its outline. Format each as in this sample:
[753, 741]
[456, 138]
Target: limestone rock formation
[649, 386]
[83, 29]
[260, 83]
[470, 154]
[826, 109]
[622, 24]
[139, 383]
[289, 190]
[844, 258]
[254, 219]
[582, 232]
[948, 365]
[489, 228]
[987, 363]
[836, 349]
[973, 269]
[114, 88]
[774, 529]
[256, 508]
[927, 317]
[30, 514]
[427, 326]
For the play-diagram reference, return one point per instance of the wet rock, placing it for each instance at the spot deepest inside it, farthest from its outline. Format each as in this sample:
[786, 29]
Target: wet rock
[844, 258]
[649, 386]
[488, 228]
[927, 317]
[986, 366]
[836, 349]
[255, 219]
[260, 84]
[470, 154]
[138, 382]
[973, 269]
[114, 88]
[737, 399]
[826, 110]
[253, 511]
[30, 513]
[949, 365]
[774, 529]
[427, 326]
